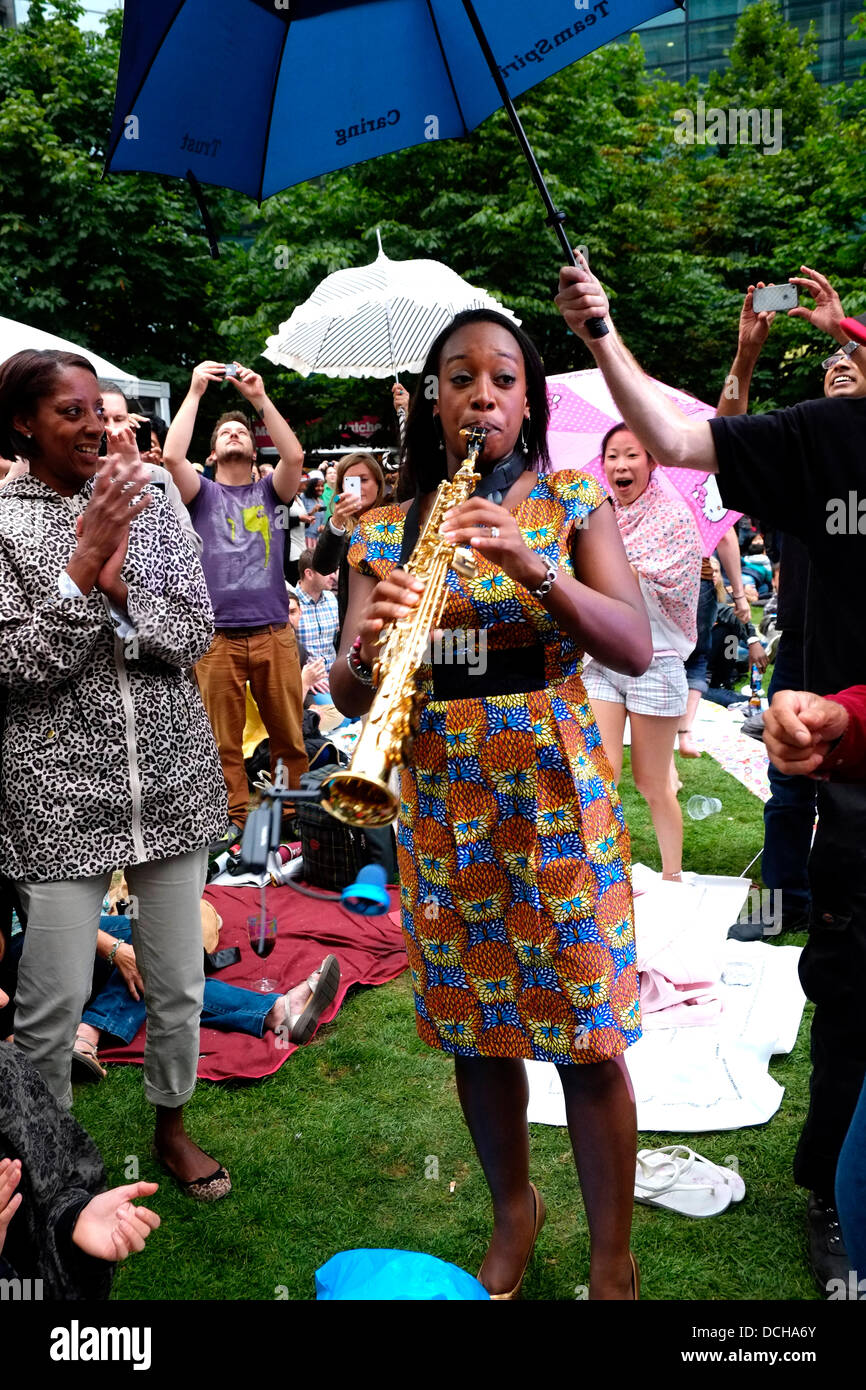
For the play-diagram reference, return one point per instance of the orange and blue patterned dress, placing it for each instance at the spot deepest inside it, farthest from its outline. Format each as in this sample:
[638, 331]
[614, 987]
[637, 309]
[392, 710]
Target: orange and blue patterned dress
[512, 845]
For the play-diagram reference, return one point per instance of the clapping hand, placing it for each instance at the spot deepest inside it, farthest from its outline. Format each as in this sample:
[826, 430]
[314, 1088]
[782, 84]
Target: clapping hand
[314, 676]
[102, 529]
[110, 1227]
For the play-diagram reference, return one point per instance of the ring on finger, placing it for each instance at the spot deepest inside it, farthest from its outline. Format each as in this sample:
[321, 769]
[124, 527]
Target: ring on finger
[494, 531]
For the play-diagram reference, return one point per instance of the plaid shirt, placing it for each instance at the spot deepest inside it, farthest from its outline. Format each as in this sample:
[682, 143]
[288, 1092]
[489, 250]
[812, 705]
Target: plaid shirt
[318, 623]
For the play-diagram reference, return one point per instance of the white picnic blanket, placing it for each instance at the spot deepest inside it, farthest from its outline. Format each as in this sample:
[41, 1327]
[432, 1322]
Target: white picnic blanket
[689, 1079]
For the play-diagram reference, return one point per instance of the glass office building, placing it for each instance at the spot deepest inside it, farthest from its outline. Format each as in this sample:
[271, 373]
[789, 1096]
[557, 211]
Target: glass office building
[697, 42]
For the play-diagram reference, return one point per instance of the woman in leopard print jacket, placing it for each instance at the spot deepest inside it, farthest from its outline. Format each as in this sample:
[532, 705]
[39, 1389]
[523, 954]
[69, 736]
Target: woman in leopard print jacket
[108, 760]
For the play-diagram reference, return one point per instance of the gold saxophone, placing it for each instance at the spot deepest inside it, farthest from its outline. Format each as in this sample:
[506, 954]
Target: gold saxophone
[359, 794]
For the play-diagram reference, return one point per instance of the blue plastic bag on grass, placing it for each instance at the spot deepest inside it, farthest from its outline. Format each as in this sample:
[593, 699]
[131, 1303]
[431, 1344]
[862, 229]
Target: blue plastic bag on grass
[391, 1275]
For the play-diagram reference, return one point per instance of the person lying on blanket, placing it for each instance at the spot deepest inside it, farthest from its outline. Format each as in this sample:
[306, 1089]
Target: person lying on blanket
[119, 1007]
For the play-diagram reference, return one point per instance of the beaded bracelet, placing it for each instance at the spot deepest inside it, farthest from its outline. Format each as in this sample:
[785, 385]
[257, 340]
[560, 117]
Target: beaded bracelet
[360, 670]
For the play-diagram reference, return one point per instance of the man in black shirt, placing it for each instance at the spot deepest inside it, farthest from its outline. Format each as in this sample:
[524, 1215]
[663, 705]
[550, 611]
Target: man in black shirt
[789, 814]
[804, 469]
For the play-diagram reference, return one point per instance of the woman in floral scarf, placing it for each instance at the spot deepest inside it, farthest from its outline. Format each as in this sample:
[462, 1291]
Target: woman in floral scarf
[664, 550]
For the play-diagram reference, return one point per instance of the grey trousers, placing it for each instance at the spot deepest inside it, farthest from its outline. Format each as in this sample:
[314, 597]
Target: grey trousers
[54, 976]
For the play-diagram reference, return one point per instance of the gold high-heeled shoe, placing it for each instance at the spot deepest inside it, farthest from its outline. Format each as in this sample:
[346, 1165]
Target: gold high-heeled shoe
[540, 1214]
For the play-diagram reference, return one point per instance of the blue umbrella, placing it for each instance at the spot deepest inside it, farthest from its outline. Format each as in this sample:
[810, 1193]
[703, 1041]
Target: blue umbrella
[257, 95]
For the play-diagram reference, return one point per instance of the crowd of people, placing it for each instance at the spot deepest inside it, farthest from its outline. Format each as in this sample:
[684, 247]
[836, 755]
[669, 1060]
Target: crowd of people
[149, 603]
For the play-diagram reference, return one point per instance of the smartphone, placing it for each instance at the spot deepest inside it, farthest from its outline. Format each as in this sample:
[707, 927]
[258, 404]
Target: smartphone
[778, 297]
[353, 487]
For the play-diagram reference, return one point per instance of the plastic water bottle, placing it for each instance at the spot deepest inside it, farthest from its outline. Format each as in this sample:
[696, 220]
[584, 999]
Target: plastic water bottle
[699, 807]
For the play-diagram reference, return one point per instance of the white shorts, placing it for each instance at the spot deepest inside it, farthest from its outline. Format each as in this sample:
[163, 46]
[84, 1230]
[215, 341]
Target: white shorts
[661, 690]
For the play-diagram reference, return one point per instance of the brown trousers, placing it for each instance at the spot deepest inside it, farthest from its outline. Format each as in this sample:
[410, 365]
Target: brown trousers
[269, 661]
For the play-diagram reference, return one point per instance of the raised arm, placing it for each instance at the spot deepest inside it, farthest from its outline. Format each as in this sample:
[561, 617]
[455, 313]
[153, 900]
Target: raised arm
[672, 438]
[179, 437]
[752, 335]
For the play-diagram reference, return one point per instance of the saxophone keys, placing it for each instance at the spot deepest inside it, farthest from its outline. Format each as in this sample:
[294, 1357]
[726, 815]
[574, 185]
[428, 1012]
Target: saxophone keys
[465, 563]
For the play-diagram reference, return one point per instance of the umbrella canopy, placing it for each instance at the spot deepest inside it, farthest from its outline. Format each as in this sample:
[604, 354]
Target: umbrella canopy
[581, 413]
[257, 95]
[377, 320]
[16, 337]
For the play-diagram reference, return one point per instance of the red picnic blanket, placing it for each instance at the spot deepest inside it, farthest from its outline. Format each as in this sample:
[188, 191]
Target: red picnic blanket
[370, 951]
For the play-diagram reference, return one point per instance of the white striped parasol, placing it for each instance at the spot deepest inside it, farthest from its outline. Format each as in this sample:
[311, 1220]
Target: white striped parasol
[377, 320]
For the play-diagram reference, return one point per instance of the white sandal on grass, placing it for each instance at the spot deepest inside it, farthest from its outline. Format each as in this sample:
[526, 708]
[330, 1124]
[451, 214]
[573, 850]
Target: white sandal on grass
[681, 1180]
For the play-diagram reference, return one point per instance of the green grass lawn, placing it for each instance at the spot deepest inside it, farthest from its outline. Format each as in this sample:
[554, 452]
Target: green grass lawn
[334, 1152]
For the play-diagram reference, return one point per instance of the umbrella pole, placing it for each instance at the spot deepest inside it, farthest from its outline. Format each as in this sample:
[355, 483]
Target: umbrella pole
[205, 215]
[555, 216]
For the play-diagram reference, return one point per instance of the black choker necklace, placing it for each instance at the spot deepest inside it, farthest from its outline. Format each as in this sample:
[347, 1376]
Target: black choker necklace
[497, 482]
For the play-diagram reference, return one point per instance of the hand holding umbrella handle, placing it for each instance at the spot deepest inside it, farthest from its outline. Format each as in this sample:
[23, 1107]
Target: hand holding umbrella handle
[597, 327]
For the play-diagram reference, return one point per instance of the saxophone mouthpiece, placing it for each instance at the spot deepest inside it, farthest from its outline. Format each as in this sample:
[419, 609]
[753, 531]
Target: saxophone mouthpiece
[475, 437]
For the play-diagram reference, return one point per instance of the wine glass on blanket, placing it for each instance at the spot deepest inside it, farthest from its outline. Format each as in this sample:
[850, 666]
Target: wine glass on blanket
[263, 938]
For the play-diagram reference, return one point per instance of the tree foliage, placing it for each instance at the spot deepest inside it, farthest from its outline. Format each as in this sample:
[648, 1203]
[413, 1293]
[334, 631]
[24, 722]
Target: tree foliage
[676, 231]
[117, 264]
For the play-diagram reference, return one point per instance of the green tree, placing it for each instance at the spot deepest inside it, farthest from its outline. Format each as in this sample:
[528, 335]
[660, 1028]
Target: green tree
[118, 264]
[675, 231]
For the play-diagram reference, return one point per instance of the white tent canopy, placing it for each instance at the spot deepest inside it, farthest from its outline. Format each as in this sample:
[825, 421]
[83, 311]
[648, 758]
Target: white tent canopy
[16, 337]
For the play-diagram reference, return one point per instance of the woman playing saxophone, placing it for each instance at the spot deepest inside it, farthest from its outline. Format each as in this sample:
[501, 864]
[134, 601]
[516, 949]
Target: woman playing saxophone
[512, 846]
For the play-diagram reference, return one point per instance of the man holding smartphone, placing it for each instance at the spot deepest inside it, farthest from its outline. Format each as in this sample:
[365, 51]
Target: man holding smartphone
[796, 467]
[243, 555]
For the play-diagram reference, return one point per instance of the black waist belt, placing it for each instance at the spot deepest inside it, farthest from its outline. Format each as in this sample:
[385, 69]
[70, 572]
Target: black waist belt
[249, 631]
[512, 671]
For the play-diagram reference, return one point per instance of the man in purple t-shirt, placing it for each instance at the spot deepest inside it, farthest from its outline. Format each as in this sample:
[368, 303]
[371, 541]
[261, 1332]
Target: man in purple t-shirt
[243, 543]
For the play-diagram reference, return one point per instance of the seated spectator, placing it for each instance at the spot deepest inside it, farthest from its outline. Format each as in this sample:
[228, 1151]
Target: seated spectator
[317, 625]
[62, 1226]
[118, 1008]
[314, 672]
[727, 668]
